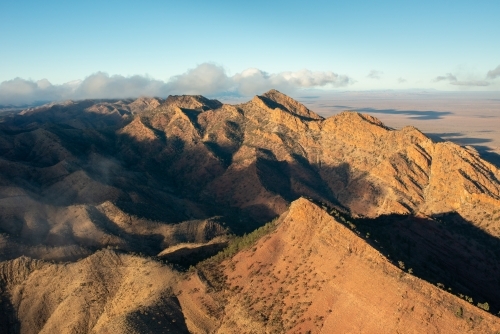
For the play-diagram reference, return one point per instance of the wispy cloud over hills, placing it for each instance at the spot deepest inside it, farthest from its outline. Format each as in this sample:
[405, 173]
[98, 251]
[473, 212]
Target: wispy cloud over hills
[493, 74]
[375, 74]
[102, 85]
[448, 77]
[254, 80]
[453, 80]
[207, 79]
[19, 91]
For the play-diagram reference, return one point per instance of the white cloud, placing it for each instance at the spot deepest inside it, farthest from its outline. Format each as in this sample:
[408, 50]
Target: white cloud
[449, 77]
[207, 79]
[306, 78]
[253, 81]
[452, 80]
[101, 85]
[493, 74]
[402, 80]
[19, 91]
[375, 74]
[204, 79]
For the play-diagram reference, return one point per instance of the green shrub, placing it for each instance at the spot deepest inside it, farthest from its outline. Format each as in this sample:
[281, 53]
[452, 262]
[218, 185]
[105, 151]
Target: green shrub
[244, 242]
[485, 306]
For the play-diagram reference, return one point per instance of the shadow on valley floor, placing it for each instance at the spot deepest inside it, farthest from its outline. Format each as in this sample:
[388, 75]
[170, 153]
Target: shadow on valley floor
[446, 250]
[459, 138]
[414, 114]
[488, 155]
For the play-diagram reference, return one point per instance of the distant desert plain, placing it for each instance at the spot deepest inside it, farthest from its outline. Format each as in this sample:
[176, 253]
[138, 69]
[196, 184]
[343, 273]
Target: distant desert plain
[464, 118]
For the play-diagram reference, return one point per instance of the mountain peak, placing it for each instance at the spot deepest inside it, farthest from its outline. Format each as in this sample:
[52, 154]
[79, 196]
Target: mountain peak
[275, 99]
[197, 102]
[144, 103]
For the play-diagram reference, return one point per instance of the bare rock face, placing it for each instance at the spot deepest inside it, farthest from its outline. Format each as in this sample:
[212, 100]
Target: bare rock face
[144, 104]
[193, 102]
[405, 172]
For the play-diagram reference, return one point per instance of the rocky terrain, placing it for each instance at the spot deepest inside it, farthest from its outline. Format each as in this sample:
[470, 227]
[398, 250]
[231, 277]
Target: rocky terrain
[117, 199]
[313, 273]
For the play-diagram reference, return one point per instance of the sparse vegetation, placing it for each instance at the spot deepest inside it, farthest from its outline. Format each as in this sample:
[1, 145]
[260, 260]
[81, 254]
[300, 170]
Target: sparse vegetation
[485, 306]
[237, 244]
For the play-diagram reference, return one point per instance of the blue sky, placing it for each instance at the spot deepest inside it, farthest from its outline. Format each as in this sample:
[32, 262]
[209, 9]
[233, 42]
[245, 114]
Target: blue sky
[347, 45]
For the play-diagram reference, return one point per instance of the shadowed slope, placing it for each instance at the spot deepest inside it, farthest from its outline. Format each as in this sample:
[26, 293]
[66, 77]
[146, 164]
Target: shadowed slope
[445, 250]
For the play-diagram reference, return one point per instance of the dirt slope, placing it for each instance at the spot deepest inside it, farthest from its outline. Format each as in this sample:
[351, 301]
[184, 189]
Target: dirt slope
[315, 274]
[311, 273]
[104, 293]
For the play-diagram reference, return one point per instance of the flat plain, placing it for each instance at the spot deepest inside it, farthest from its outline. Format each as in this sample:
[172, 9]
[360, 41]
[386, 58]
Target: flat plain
[465, 118]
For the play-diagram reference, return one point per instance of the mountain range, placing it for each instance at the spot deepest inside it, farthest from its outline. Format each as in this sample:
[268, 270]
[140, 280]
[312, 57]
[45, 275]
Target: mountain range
[143, 211]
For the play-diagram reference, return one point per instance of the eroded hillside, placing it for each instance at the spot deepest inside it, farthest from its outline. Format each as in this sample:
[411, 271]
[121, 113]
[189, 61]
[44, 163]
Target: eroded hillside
[307, 271]
[314, 274]
[191, 158]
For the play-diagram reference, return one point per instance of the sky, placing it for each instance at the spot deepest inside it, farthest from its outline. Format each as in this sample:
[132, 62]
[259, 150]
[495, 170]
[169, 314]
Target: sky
[54, 50]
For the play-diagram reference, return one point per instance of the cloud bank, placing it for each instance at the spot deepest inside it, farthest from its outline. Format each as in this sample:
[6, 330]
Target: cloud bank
[206, 79]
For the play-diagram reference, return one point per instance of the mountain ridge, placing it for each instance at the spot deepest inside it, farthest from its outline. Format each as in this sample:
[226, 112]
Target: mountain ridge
[152, 180]
[313, 273]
